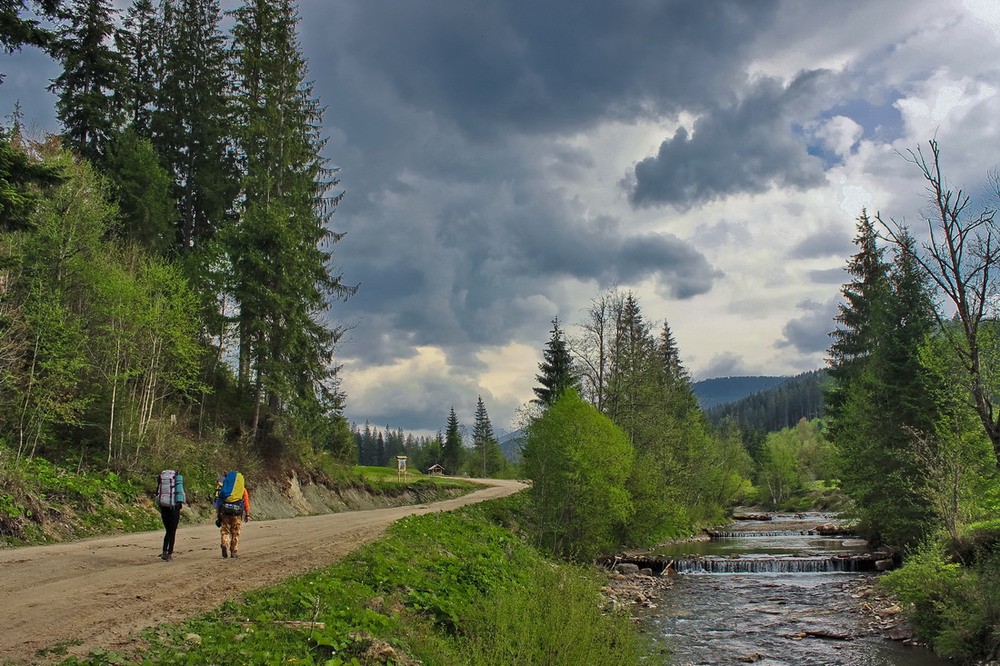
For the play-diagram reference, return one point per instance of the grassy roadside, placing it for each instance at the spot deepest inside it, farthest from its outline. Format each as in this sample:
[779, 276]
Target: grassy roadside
[443, 589]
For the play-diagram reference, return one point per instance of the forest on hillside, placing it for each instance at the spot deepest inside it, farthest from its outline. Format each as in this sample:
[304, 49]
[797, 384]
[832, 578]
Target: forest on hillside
[779, 406]
[721, 390]
[166, 266]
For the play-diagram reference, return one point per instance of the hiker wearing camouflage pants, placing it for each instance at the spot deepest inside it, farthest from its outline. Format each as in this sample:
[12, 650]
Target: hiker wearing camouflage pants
[231, 514]
[230, 529]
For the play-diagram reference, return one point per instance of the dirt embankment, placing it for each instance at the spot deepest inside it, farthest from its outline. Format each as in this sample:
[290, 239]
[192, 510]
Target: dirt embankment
[95, 593]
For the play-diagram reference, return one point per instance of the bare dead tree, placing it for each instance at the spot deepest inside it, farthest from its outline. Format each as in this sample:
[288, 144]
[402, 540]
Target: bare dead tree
[593, 347]
[961, 258]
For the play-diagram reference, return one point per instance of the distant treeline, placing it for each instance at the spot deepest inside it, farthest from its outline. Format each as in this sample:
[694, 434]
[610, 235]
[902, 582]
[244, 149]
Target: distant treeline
[779, 407]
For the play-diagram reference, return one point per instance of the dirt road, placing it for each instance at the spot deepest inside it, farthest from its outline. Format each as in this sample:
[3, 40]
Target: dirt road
[95, 593]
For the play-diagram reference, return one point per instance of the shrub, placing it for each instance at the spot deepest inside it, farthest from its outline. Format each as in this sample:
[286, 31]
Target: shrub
[953, 607]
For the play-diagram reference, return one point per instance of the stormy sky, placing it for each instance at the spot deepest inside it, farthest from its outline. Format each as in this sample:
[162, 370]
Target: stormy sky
[506, 161]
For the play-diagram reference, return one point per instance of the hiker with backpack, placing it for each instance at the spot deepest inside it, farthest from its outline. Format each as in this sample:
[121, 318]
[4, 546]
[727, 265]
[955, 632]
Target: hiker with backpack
[232, 504]
[170, 497]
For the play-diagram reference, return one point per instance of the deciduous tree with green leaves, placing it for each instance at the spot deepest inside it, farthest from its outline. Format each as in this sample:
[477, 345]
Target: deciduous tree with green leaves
[578, 461]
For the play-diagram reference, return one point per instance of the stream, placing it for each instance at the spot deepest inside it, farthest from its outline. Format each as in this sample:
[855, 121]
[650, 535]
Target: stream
[772, 593]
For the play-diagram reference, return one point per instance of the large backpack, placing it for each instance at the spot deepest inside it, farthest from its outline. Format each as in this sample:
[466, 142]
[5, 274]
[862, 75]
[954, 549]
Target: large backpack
[232, 488]
[167, 488]
[230, 498]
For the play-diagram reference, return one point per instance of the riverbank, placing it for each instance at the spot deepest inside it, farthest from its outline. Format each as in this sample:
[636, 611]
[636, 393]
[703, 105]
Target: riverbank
[786, 587]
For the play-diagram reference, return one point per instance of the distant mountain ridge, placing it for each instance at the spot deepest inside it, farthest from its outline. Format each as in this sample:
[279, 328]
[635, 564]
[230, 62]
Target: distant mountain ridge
[775, 407]
[722, 390]
[510, 445]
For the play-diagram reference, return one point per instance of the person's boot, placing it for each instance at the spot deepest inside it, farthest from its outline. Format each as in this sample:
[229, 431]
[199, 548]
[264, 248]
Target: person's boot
[169, 557]
[233, 555]
[224, 553]
[163, 555]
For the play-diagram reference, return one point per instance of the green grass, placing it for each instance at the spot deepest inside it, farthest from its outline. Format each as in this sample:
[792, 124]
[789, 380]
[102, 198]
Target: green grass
[444, 589]
[386, 479]
[93, 502]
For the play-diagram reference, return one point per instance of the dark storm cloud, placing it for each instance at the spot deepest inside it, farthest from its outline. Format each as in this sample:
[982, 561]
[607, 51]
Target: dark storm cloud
[426, 102]
[603, 252]
[810, 332]
[555, 65]
[750, 146]
[478, 276]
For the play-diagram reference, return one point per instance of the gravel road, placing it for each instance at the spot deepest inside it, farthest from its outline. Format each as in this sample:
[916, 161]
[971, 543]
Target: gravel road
[95, 593]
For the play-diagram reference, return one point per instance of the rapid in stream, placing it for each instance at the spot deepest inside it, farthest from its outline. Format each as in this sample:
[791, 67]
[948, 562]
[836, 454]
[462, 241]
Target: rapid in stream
[767, 593]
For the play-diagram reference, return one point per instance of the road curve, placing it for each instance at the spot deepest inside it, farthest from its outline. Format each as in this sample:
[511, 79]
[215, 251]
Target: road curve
[94, 593]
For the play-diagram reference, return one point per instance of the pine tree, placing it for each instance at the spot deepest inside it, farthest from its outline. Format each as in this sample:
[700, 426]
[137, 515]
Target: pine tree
[281, 267]
[856, 334]
[557, 374]
[451, 451]
[631, 374]
[864, 295]
[669, 356]
[142, 189]
[92, 71]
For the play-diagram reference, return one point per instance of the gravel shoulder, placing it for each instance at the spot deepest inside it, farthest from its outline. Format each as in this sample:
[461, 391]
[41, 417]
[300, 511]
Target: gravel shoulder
[95, 593]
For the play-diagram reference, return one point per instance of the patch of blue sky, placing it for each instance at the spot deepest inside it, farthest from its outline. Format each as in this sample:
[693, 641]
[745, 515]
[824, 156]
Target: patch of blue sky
[882, 122]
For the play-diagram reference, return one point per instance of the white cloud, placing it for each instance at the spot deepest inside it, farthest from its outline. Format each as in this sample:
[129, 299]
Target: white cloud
[839, 135]
[943, 99]
[986, 12]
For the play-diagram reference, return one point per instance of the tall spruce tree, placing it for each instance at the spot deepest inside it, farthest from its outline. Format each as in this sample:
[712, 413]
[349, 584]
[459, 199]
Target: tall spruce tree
[631, 367]
[484, 442]
[191, 127]
[279, 248]
[451, 450]
[139, 43]
[856, 333]
[141, 187]
[882, 397]
[557, 373]
[92, 72]
[669, 355]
